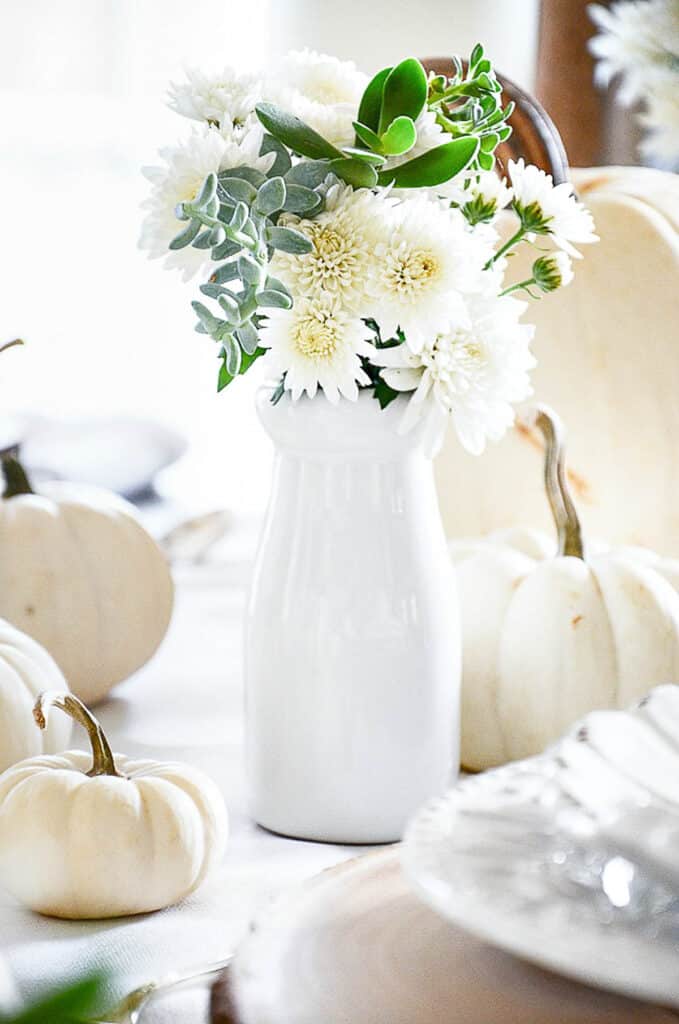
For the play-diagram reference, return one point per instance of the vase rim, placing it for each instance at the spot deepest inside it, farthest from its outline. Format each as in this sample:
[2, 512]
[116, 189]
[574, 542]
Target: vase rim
[318, 425]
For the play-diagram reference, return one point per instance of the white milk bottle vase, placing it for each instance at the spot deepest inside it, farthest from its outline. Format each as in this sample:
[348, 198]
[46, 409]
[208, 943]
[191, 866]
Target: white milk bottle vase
[352, 665]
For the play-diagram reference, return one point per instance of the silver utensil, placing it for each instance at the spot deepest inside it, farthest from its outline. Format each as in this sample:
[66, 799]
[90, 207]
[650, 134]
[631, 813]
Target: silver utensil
[130, 1010]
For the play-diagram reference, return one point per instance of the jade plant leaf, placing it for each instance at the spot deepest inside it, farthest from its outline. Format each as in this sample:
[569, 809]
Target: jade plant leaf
[434, 167]
[400, 136]
[371, 101]
[294, 133]
[405, 92]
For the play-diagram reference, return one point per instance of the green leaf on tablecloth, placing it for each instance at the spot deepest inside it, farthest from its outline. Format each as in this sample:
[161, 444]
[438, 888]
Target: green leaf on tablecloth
[72, 1004]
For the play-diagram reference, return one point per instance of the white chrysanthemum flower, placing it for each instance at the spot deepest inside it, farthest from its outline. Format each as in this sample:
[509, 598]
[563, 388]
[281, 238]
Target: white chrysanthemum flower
[317, 344]
[227, 99]
[491, 189]
[343, 237]
[323, 91]
[473, 374]
[548, 209]
[661, 118]
[179, 179]
[553, 271]
[636, 39]
[427, 260]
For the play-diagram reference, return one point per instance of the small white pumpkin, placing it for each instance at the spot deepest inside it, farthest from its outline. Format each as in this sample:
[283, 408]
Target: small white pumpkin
[81, 576]
[26, 669]
[548, 639]
[96, 836]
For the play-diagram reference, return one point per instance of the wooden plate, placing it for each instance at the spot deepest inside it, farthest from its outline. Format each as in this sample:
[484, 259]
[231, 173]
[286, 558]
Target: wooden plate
[356, 946]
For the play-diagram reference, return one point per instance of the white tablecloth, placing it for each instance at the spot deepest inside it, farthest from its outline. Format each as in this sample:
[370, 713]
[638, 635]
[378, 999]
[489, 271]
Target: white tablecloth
[185, 705]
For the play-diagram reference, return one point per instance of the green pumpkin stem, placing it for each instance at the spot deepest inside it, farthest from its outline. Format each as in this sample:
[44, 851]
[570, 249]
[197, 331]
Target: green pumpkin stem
[16, 478]
[103, 762]
[569, 531]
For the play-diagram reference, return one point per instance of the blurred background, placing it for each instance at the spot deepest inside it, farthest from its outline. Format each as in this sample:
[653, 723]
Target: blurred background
[82, 86]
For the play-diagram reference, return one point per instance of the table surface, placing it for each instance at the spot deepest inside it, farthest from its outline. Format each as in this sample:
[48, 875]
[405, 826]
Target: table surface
[185, 705]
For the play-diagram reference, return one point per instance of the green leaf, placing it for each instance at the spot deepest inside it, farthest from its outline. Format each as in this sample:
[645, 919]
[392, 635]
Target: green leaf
[75, 1002]
[227, 272]
[371, 101]
[364, 155]
[294, 133]
[186, 236]
[226, 249]
[249, 270]
[299, 199]
[405, 92]
[490, 142]
[202, 241]
[210, 322]
[207, 192]
[225, 378]
[239, 190]
[248, 337]
[354, 172]
[217, 236]
[434, 167]
[477, 55]
[271, 196]
[274, 285]
[250, 174]
[383, 393]
[399, 137]
[309, 173]
[229, 304]
[367, 136]
[277, 300]
[232, 355]
[240, 215]
[486, 161]
[288, 240]
[282, 163]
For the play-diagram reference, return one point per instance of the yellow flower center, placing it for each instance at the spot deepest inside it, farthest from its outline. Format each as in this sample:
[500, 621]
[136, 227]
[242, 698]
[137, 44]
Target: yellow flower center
[334, 260]
[316, 338]
[412, 271]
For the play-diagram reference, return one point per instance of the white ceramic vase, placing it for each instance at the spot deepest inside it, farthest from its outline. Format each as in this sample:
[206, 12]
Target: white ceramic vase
[352, 639]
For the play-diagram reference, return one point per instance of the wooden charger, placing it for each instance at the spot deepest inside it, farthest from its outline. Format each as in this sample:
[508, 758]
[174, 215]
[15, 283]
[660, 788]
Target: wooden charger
[355, 945]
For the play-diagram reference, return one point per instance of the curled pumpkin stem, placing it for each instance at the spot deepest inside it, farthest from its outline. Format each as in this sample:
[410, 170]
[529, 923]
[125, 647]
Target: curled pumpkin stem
[103, 762]
[569, 531]
[11, 344]
[15, 476]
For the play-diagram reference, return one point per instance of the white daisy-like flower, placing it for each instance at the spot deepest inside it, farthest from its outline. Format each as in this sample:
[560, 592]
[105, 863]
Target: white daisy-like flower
[473, 374]
[661, 118]
[179, 179]
[553, 271]
[428, 258]
[491, 190]
[636, 39]
[548, 209]
[317, 344]
[323, 91]
[343, 237]
[226, 99]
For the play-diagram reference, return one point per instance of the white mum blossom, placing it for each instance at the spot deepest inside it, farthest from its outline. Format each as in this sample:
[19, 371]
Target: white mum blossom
[184, 169]
[343, 237]
[472, 374]
[548, 209]
[323, 91]
[491, 190]
[226, 99]
[317, 344]
[637, 38]
[428, 258]
[661, 118]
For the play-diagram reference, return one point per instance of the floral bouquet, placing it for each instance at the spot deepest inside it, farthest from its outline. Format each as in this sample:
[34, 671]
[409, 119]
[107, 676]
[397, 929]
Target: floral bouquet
[348, 232]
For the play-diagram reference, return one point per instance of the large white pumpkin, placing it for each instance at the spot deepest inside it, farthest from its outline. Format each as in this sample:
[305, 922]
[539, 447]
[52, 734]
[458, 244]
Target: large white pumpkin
[81, 575]
[548, 639]
[608, 359]
[26, 669]
[96, 835]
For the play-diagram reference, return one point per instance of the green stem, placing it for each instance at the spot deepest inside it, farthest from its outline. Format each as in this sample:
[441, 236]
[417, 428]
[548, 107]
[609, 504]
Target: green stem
[565, 516]
[516, 237]
[16, 478]
[103, 762]
[515, 287]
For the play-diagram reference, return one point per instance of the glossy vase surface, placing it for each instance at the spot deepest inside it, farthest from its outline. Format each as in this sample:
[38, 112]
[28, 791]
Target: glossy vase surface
[352, 638]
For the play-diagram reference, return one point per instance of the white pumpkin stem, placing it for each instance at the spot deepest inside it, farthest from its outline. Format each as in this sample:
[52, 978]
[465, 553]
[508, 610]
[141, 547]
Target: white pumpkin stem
[16, 477]
[566, 519]
[103, 762]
